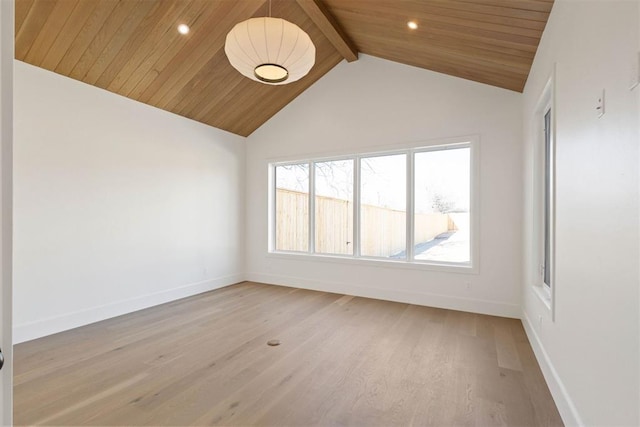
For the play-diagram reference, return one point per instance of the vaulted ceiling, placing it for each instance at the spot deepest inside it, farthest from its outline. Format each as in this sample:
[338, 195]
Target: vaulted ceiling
[131, 47]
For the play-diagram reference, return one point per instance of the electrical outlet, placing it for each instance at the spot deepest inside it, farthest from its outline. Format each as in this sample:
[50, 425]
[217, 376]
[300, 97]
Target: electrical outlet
[468, 285]
[540, 320]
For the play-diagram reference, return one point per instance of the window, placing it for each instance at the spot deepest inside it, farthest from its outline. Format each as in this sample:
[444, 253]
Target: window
[412, 205]
[442, 200]
[292, 207]
[334, 207]
[383, 206]
[548, 191]
[541, 266]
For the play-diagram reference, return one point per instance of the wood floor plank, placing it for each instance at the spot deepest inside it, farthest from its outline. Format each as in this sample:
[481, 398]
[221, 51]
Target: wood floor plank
[359, 329]
[204, 360]
[88, 375]
[56, 353]
[506, 347]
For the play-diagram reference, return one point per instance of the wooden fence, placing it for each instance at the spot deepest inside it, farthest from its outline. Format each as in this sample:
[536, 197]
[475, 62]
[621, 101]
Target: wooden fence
[292, 221]
[334, 226]
[382, 234]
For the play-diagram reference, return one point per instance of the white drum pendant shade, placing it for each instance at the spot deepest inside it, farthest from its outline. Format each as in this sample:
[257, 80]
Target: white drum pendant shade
[270, 50]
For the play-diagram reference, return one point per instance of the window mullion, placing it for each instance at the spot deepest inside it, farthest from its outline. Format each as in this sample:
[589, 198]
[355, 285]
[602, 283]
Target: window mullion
[356, 207]
[272, 208]
[410, 206]
[312, 207]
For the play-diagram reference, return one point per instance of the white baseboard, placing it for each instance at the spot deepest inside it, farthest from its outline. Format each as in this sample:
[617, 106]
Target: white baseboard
[52, 325]
[418, 298]
[567, 409]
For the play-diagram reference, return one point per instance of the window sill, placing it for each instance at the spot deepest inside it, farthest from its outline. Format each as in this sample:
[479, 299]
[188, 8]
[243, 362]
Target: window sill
[544, 295]
[375, 262]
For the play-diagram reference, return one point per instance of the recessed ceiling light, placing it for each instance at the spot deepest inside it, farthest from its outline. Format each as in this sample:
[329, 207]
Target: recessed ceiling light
[183, 29]
[413, 25]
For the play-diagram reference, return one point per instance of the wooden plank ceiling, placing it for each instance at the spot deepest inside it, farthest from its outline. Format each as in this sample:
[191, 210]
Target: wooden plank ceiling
[488, 41]
[131, 47]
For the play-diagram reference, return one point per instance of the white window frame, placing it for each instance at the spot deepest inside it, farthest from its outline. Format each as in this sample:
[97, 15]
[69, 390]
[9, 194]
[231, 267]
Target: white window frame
[409, 150]
[545, 104]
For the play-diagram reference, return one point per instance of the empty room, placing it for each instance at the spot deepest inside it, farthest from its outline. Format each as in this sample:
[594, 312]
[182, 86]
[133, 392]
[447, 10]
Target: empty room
[320, 212]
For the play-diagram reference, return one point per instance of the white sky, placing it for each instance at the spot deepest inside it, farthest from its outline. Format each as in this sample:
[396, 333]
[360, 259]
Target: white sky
[446, 172]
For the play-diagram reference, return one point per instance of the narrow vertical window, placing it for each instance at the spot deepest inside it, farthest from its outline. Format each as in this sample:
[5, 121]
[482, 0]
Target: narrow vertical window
[442, 197]
[334, 207]
[548, 200]
[383, 206]
[292, 207]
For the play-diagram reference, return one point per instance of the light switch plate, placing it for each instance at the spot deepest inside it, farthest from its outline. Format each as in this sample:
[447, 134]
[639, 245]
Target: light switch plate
[600, 104]
[634, 75]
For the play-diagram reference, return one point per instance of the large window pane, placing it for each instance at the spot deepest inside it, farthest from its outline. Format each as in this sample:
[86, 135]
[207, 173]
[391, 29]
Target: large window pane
[334, 207]
[292, 207]
[383, 197]
[548, 188]
[442, 199]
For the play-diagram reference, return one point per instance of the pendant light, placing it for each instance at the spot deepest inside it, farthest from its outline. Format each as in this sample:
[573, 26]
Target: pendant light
[270, 50]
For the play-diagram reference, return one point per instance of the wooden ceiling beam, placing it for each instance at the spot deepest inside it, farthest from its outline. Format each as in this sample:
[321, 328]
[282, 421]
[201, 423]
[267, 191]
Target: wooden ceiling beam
[327, 23]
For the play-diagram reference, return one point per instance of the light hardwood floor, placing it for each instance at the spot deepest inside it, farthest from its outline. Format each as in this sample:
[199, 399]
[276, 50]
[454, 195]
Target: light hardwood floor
[343, 360]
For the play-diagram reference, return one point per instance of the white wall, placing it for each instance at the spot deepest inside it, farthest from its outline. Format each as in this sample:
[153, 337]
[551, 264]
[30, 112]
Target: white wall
[118, 205]
[372, 103]
[590, 353]
[6, 175]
